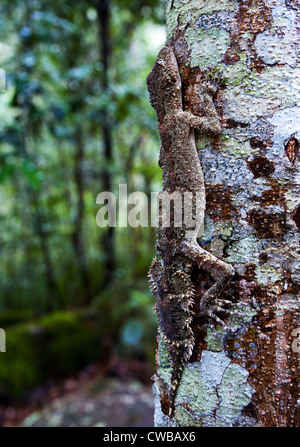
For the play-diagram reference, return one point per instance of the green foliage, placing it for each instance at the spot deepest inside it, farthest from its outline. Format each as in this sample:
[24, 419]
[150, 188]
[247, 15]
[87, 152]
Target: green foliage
[13, 317]
[19, 370]
[54, 105]
[52, 166]
[63, 342]
[130, 312]
[56, 345]
[70, 341]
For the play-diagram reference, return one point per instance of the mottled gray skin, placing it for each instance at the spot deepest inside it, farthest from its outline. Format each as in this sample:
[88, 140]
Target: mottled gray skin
[180, 253]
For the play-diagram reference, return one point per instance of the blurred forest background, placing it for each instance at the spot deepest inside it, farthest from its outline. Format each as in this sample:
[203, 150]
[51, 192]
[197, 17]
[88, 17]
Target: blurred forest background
[75, 120]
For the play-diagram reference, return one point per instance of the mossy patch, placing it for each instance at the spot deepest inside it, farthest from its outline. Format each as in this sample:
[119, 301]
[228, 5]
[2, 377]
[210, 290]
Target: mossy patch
[56, 345]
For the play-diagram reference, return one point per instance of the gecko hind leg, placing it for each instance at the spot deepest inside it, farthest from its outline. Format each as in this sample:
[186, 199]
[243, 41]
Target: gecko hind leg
[220, 271]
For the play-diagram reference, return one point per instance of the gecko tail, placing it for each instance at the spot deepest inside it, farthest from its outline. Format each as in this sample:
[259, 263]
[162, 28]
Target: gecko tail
[178, 365]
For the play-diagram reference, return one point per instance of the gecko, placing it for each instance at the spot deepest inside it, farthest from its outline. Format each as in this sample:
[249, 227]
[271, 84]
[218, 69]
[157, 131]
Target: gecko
[178, 253]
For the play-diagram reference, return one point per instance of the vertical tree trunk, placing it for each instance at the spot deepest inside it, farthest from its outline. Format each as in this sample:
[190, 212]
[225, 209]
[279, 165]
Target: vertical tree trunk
[54, 300]
[248, 373]
[77, 235]
[103, 12]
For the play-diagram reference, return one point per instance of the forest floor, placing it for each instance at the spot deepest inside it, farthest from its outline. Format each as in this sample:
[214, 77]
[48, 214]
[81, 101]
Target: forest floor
[118, 394]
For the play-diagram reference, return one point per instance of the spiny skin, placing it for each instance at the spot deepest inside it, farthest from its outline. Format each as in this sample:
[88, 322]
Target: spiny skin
[177, 246]
[173, 309]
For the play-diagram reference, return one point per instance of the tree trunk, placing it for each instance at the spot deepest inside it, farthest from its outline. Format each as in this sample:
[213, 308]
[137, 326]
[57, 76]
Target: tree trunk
[77, 235]
[245, 374]
[103, 13]
[54, 300]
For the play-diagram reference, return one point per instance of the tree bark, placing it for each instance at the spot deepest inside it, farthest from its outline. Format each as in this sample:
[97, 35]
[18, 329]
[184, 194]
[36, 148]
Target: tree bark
[248, 373]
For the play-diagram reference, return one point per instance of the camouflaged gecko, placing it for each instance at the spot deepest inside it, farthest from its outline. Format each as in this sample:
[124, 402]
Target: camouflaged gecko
[177, 246]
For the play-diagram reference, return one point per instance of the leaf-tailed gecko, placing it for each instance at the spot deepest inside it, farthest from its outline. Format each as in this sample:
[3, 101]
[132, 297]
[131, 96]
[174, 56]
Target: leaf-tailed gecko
[177, 246]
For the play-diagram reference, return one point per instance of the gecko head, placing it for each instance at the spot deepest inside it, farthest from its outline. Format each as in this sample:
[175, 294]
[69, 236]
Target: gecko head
[164, 82]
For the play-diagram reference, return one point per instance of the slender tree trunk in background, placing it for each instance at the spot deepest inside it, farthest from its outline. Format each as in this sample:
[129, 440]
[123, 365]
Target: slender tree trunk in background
[248, 373]
[77, 236]
[108, 241]
[54, 298]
